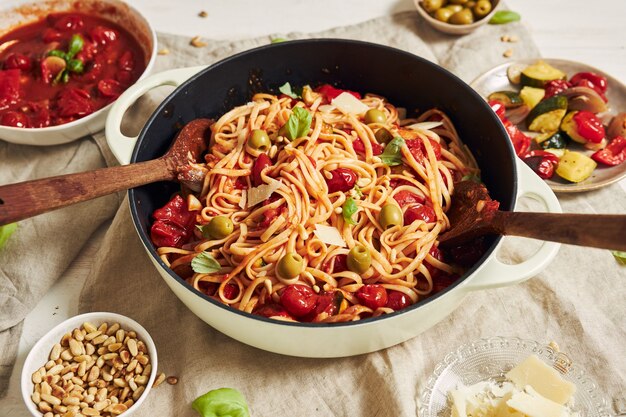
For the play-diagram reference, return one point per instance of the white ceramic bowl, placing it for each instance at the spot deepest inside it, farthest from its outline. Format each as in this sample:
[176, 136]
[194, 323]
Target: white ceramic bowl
[455, 29]
[491, 358]
[17, 12]
[39, 354]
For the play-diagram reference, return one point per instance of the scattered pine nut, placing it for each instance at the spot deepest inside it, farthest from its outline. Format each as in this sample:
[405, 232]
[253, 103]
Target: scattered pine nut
[163, 51]
[196, 42]
[508, 53]
[203, 14]
[159, 379]
[172, 380]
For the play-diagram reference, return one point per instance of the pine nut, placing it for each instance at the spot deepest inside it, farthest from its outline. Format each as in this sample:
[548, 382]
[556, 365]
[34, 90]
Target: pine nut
[55, 353]
[159, 379]
[132, 347]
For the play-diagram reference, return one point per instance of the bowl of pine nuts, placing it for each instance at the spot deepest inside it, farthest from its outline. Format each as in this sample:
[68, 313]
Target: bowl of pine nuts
[94, 364]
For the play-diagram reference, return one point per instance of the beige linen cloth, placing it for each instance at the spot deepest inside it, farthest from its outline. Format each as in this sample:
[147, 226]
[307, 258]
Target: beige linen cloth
[577, 301]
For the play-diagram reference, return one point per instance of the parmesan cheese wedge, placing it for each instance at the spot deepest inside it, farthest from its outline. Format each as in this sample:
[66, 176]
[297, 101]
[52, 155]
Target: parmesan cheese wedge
[329, 235]
[261, 193]
[545, 380]
[532, 404]
[349, 104]
[425, 125]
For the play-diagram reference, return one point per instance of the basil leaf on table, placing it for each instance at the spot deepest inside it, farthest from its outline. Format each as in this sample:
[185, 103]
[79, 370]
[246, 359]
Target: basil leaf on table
[504, 16]
[288, 91]
[392, 155]
[223, 402]
[5, 233]
[348, 209]
[298, 124]
[620, 256]
[205, 263]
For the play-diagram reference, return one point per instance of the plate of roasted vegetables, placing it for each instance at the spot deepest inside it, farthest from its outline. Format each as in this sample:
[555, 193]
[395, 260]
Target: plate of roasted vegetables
[566, 120]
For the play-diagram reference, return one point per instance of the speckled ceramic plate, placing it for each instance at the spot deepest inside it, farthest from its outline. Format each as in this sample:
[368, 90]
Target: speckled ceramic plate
[496, 80]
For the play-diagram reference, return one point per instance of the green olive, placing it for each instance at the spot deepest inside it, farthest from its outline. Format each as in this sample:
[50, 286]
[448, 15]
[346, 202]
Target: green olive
[432, 5]
[458, 1]
[390, 216]
[443, 14]
[482, 8]
[383, 136]
[259, 140]
[464, 17]
[359, 259]
[290, 265]
[454, 8]
[219, 227]
[375, 116]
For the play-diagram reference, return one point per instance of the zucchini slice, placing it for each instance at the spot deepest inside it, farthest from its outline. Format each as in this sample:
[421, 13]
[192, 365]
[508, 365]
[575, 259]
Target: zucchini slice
[557, 152]
[532, 96]
[547, 115]
[568, 125]
[575, 166]
[554, 140]
[510, 99]
[538, 74]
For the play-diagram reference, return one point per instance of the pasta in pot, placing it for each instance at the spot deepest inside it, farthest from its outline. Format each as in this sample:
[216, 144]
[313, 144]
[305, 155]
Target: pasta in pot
[352, 200]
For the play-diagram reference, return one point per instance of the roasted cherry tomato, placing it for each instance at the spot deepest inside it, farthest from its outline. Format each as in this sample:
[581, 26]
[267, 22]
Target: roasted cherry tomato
[173, 223]
[589, 126]
[231, 291]
[74, 102]
[589, 84]
[521, 142]
[340, 264]
[438, 255]
[329, 92]
[498, 108]
[542, 162]
[373, 296]
[17, 61]
[555, 87]
[406, 197]
[342, 179]
[299, 300]
[110, 88]
[397, 300]
[69, 22]
[418, 150]
[599, 82]
[272, 310]
[419, 212]
[126, 62]
[102, 35]
[51, 35]
[359, 147]
[613, 154]
[262, 161]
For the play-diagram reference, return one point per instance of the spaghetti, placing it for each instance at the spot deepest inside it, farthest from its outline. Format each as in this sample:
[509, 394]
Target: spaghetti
[323, 186]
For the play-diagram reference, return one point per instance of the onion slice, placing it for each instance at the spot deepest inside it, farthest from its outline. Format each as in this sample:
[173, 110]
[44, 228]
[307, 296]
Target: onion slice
[584, 98]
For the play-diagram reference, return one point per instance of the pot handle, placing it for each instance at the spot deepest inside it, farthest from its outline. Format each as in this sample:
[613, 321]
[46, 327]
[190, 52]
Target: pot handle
[120, 144]
[497, 274]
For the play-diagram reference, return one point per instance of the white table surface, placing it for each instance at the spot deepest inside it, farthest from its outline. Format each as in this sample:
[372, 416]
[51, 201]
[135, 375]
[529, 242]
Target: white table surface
[580, 30]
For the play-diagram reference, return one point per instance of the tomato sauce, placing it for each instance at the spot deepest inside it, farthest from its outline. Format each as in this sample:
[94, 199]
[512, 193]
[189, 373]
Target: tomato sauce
[46, 79]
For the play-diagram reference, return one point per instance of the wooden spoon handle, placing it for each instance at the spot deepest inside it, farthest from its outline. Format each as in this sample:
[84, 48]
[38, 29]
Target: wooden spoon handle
[607, 231]
[27, 199]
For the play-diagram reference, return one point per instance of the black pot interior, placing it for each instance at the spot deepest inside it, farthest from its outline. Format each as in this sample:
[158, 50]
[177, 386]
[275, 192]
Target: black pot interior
[404, 79]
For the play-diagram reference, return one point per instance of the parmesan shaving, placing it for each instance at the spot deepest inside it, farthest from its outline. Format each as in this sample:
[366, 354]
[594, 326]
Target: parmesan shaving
[243, 200]
[261, 193]
[425, 125]
[349, 104]
[329, 235]
[326, 108]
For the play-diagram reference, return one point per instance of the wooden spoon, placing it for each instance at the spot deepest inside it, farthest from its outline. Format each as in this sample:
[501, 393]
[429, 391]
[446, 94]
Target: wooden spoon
[605, 231]
[27, 199]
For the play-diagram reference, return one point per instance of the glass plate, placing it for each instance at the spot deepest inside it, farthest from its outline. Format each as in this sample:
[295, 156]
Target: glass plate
[491, 359]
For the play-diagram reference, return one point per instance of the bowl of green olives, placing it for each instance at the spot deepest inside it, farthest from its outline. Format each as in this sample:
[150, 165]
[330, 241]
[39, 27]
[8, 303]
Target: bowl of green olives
[456, 17]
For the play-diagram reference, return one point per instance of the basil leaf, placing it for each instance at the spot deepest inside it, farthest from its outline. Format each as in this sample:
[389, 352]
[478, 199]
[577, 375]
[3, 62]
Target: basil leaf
[348, 209]
[392, 155]
[620, 256]
[75, 46]
[504, 16]
[358, 191]
[205, 263]
[471, 177]
[298, 124]
[58, 53]
[75, 65]
[279, 40]
[288, 91]
[223, 402]
[5, 233]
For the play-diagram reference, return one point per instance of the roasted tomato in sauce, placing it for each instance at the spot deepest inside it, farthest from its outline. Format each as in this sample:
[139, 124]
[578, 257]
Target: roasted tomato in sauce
[373, 296]
[67, 65]
[299, 300]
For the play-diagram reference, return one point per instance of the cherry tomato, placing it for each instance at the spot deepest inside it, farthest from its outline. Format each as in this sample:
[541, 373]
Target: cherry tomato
[498, 108]
[589, 84]
[262, 161]
[328, 303]
[599, 82]
[272, 310]
[126, 62]
[51, 35]
[231, 291]
[418, 150]
[438, 255]
[373, 296]
[125, 77]
[613, 154]
[9, 87]
[589, 126]
[167, 234]
[555, 87]
[299, 300]
[329, 92]
[341, 263]
[419, 212]
[359, 147]
[15, 119]
[102, 35]
[397, 300]
[69, 22]
[74, 102]
[406, 197]
[173, 224]
[110, 88]
[17, 61]
[343, 179]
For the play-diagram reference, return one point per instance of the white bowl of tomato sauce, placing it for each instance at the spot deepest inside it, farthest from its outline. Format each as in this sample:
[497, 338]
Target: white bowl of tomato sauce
[62, 64]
